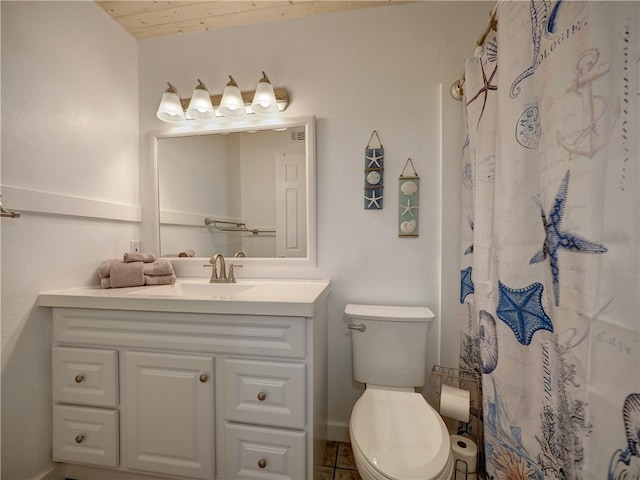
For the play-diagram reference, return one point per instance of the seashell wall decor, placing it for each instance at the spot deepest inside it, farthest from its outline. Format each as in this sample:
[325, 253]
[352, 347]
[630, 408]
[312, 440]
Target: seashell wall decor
[408, 198]
[373, 175]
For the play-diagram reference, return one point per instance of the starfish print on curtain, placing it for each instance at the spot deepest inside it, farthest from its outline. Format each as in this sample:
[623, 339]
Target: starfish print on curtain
[466, 283]
[521, 309]
[556, 238]
[485, 89]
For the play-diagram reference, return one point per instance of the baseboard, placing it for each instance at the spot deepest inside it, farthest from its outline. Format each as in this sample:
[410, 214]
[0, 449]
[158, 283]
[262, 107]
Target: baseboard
[81, 472]
[338, 432]
[56, 472]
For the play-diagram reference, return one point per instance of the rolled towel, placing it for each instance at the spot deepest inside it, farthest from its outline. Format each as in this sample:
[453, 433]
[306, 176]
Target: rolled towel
[105, 282]
[139, 257]
[159, 267]
[187, 253]
[105, 268]
[126, 274]
[159, 279]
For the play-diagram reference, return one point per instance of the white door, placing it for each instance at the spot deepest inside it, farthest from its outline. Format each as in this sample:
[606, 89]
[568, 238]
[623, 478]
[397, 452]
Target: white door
[169, 413]
[291, 206]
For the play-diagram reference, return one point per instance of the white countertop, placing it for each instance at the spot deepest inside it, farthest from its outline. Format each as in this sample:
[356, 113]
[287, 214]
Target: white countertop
[247, 297]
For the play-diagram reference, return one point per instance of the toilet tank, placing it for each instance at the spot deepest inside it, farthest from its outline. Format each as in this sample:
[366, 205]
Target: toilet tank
[392, 349]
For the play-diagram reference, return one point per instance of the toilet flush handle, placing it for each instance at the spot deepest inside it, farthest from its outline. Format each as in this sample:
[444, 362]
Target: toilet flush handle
[360, 327]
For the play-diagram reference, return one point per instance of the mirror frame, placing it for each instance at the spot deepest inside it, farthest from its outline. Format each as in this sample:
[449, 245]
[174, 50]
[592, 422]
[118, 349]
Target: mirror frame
[190, 267]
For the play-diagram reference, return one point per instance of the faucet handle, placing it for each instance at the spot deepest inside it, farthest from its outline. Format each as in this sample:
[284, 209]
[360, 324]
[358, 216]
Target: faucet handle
[214, 272]
[232, 276]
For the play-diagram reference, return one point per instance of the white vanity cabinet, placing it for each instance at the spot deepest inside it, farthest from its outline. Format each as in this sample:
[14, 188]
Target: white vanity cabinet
[149, 394]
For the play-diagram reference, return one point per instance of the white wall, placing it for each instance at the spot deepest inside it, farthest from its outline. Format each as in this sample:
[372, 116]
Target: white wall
[379, 68]
[69, 146]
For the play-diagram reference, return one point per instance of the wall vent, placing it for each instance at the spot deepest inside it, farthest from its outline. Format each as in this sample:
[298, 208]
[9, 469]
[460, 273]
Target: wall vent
[297, 136]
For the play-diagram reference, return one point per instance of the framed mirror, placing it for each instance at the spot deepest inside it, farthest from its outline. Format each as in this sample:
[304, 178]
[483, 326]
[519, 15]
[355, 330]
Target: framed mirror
[243, 189]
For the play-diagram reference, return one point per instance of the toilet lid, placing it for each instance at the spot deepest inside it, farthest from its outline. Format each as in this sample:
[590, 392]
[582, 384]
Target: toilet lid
[400, 434]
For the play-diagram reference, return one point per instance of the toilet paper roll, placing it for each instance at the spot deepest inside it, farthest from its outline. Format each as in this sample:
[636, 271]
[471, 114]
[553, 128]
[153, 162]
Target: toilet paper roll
[465, 456]
[455, 403]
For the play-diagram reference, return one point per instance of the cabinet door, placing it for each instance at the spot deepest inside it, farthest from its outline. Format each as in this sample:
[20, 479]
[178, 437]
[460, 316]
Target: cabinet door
[169, 413]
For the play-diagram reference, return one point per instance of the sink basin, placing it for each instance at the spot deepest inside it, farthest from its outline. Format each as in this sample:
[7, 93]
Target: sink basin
[196, 290]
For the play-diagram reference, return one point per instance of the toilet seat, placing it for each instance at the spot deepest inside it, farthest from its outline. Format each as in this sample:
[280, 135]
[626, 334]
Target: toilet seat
[397, 435]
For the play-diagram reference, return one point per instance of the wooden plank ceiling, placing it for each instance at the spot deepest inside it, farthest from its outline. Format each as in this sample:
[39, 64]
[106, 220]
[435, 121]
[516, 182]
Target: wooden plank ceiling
[147, 19]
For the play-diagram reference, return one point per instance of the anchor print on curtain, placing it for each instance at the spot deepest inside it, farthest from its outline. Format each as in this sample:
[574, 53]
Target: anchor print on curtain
[550, 252]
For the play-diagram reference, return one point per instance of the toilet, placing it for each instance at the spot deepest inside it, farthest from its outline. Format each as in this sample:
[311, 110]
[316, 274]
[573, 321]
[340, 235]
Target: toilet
[395, 433]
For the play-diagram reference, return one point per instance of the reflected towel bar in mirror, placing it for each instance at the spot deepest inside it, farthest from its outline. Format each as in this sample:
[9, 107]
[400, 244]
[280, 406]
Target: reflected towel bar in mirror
[235, 226]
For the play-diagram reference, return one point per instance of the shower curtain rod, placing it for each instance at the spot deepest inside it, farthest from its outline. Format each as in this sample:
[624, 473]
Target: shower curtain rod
[457, 87]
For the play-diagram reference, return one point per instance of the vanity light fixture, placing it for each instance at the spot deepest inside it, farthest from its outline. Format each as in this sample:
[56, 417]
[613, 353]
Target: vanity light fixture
[202, 106]
[170, 109]
[264, 101]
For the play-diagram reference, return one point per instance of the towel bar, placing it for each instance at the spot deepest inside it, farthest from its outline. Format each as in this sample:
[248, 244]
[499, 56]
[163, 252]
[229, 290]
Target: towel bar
[6, 213]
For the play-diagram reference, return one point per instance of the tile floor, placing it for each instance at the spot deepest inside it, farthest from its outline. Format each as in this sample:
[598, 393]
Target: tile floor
[338, 463]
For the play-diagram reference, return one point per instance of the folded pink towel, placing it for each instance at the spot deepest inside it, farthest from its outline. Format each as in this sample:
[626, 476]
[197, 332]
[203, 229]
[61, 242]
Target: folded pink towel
[126, 274]
[159, 267]
[105, 268]
[139, 257]
[116, 273]
[159, 279]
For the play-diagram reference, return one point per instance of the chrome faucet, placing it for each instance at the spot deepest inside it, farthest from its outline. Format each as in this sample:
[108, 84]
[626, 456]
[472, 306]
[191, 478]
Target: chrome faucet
[218, 275]
[219, 272]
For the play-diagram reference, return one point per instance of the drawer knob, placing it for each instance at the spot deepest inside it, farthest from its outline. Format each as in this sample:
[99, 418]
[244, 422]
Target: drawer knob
[262, 396]
[79, 378]
[204, 378]
[80, 439]
[262, 463]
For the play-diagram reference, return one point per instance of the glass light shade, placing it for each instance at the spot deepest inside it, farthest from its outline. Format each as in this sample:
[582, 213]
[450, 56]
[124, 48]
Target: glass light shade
[200, 106]
[264, 100]
[232, 104]
[170, 108]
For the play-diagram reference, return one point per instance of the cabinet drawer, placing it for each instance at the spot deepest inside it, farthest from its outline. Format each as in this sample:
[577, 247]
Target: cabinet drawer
[85, 376]
[85, 435]
[265, 393]
[264, 453]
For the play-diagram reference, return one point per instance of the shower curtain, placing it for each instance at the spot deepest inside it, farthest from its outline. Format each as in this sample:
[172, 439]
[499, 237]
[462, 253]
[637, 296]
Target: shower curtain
[550, 255]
